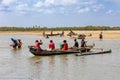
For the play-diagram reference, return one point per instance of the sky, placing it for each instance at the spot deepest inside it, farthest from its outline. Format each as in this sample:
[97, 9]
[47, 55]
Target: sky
[59, 13]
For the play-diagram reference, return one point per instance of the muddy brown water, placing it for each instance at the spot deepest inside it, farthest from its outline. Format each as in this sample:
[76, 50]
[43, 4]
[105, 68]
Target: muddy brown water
[20, 64]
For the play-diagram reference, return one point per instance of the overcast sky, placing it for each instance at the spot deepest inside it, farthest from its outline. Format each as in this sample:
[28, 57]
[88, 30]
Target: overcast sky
[56, 13]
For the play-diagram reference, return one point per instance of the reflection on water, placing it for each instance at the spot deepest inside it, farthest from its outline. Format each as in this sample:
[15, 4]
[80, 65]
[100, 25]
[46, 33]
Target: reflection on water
[22, 65]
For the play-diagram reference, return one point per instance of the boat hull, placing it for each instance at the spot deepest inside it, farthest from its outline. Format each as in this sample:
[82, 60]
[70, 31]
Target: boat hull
[48, 53]
[56, 52]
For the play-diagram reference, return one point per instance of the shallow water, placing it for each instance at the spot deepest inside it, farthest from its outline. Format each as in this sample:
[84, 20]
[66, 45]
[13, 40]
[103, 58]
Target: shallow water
[22, 65]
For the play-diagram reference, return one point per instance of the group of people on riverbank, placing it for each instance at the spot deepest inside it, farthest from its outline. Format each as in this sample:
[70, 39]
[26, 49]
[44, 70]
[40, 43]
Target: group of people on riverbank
[63, 46]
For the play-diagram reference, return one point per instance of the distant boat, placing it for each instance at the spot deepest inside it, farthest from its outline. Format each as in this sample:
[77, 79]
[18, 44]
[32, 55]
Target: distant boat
[57, 34]
[78, 36]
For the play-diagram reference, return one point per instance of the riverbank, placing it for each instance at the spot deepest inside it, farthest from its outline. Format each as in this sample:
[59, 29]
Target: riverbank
[110, 34]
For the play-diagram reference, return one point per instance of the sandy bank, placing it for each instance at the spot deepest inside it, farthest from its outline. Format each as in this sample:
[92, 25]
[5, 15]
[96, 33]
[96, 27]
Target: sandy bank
[95, 34]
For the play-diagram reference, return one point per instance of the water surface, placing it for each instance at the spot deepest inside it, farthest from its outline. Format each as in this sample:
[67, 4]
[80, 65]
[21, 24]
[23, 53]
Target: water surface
[22, 65]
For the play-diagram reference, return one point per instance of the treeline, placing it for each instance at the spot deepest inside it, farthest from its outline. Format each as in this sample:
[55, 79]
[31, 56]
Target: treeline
[58, 28]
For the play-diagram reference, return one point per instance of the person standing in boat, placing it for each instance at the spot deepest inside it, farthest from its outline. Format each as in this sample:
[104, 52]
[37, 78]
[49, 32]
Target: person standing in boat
[51, 45]
[19, 43]
[51, 33]
[65, 45]
[44, 33]
[83, 43]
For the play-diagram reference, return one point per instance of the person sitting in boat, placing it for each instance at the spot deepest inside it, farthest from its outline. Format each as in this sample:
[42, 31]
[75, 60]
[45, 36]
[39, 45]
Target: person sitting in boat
[37, 45]
[40, 43]
[65, 45]
[19, 43]
[83, 43]
[76, 45]
[51, 45]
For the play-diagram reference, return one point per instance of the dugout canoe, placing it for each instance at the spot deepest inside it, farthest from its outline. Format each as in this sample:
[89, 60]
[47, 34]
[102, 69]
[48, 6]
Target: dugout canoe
[56, 52]
[94, 53]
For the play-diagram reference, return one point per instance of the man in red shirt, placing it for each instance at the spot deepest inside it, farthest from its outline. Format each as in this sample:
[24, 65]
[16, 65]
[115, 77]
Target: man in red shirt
[65, 45]
[51, 45]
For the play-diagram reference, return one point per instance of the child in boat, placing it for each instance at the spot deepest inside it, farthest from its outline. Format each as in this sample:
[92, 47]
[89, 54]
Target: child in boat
[65, 45]
[51, 45]
[19, 43]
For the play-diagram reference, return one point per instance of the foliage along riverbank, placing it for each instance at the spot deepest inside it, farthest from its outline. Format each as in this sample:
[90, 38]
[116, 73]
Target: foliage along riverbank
[38, 28]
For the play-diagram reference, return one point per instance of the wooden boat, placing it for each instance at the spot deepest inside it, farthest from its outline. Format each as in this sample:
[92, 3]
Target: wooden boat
[78, 36]
[52, 34]
[94, 53]
[57, 34]
[56, 52]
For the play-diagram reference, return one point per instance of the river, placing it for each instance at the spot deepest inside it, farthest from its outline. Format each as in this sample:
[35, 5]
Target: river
[20, 64]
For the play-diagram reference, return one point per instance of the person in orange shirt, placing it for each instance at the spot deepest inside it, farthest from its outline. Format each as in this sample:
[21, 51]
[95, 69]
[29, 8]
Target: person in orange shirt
[51, 45]
[65, 45]
[19, 43]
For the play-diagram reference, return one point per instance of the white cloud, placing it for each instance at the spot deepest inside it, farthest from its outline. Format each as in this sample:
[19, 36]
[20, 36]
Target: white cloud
[7, 2]
[48, 3]
[22, 9]
[67, 2]
[87, 2]
[47, 6]
[83, 10]
[46, 11]
[112, 12]
[97, 7]
[113, 1]
[38, 4]
[109, 12]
